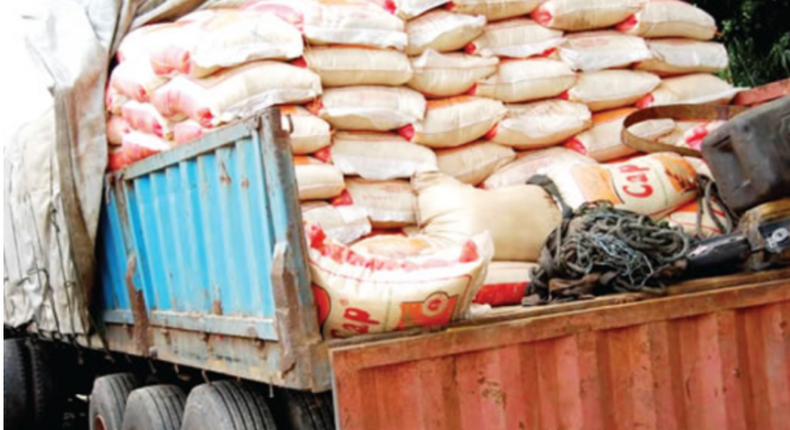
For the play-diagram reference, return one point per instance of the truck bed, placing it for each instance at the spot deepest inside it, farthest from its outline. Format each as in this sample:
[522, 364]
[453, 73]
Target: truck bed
[713, 354]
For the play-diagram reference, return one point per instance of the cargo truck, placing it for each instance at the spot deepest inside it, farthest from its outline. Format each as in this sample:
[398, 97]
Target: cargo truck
[206, 320]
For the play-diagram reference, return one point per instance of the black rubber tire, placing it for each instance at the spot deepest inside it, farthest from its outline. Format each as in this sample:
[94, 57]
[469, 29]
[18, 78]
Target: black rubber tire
[158, 407]
[46, 395]
[303, 410]
[227, 405]
[108, 400]
[17, 401]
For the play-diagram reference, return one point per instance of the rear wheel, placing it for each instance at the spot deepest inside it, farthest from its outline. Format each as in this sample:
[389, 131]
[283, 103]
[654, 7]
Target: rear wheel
[227, 405]
[17, 401]
[302, 410]
[108, 400]
[46, 395]
[159, 407]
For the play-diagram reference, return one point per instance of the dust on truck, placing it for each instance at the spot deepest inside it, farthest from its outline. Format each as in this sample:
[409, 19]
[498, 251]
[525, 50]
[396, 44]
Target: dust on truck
[196, 308]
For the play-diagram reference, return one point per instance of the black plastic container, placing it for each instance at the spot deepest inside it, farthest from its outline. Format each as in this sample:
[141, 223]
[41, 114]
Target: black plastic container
[750, 156]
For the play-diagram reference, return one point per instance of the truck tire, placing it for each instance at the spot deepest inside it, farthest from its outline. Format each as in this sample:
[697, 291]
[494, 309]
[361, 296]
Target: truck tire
[159, 407]
[46, 396]
[227, 405]
[17, 401]
[108, 400]
[302, 410]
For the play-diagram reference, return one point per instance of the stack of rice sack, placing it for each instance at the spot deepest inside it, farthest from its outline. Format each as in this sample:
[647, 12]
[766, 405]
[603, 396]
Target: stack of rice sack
[176, 80]
[416, 126]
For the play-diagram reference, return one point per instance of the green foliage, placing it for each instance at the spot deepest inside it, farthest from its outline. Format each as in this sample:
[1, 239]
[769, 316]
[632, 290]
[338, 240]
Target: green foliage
[757, 36]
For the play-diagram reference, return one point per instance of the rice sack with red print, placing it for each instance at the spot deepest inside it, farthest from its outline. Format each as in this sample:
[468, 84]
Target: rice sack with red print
[236, 93]
[652, 185]
[361, 291]
[506, 283]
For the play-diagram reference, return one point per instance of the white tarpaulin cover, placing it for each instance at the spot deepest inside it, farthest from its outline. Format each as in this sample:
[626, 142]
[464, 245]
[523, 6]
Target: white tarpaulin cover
[55, 159]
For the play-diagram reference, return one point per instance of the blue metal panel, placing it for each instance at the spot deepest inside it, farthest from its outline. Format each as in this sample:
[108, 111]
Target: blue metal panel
[202, 231]
[111, 256]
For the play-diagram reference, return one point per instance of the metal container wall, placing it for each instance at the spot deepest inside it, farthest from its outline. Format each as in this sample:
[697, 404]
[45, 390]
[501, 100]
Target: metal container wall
[112, 264]
[201, 252]
[715, 360]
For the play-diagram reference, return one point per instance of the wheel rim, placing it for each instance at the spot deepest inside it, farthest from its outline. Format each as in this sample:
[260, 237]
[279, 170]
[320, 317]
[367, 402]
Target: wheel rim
[98, 423]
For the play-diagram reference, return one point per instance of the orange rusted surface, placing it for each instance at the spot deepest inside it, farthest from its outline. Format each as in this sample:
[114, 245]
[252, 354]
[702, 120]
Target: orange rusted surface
[705, 360]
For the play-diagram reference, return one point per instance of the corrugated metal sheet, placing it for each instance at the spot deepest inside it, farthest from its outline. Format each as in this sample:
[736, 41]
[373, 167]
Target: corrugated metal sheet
[715, 360]
[203, 231]
[201, 253]
[112, 263]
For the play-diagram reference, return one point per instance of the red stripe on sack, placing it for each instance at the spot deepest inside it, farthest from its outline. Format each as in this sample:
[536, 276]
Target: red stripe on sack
[407, 132]
[324, 154]
[575, 144]
[547, 53]
[541, 16]
[501, 294]
[470, 48]
[299, 62]
[645, 101]
[565, 95]
[472, 91]
[344, 199]
[628, 24]
[450, 6]
[315, 106]
[491, 134]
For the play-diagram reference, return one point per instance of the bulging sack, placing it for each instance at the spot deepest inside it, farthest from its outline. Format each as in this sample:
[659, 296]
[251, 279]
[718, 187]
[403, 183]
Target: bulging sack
[446, 75]
[316, 180]
[443, 31]
[473, 163]
[519, 218]
[494, 10]
[576, 15]
[308, 132]
[388, 204]
[380, 156]
[515, 38]
[138, 145]
[226, 38]
[652, 185]
[137, 44]
[354, 22]
[116, 128]
[609, 89]
[369, 107]
[598, 50]
[526, 80]
[506, 283]
[531, 163]
[358, 292]
[236, 93]
[690, 89]
[670, 18]
[346, 65]
[344, 224]
[603, 142]
[683, 56]
[145, 118]
[136, 80]
[454, 121]
[540, 124]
